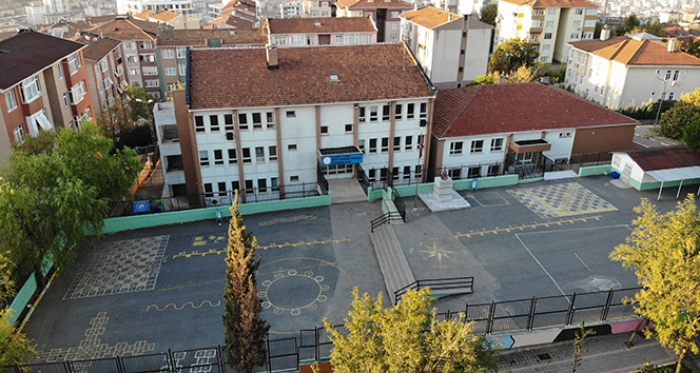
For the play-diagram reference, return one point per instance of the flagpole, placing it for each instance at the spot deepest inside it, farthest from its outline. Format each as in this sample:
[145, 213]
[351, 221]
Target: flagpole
[421, 140]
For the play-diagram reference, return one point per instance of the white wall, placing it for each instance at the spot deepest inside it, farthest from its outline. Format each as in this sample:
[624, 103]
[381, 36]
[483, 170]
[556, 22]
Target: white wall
[446, 45]
[477, 54]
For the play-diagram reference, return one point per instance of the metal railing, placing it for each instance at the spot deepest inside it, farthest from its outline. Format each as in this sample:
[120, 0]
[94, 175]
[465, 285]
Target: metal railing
[437, 285]
[398, 203]
[384, 219]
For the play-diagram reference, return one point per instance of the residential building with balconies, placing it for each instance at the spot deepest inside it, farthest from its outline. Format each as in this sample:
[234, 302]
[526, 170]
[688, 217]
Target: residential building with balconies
[547, 24]
[630, 70]
[385, 14]
[138, 6]
[296, 32]
[291, 9]
[105, 70]
[43, 84]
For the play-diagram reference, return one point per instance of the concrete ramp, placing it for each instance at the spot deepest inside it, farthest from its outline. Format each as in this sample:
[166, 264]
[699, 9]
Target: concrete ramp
[346, 190]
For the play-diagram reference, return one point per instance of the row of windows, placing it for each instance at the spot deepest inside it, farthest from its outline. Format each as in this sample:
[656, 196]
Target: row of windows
[143, 44]
[243, 123]
[396, 145]
[373, 112]
[397, 173]
[476, 146]
[250, 187]
[232, 156]
[473, 171]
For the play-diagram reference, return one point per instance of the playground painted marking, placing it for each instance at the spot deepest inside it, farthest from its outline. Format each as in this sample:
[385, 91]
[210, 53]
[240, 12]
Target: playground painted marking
[522, 228]
[196, 253]
[176, 308]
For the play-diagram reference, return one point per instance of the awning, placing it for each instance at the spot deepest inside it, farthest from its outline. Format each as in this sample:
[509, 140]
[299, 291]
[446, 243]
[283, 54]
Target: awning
[675, 174]
[342, 155]
[43, 121]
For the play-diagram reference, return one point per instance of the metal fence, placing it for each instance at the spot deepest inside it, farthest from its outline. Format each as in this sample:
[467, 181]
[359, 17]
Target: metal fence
[189, 202]
[287, 354]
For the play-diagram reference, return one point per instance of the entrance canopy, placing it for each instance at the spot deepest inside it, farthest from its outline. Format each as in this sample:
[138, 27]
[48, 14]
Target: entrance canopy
[342, 155]
[675, 174]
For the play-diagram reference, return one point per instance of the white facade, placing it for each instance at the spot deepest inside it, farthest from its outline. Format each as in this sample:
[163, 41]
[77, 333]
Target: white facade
[615, 85]
[56, 6]
[291, 9]
[138, 6]
[338, 38]
[35, 14]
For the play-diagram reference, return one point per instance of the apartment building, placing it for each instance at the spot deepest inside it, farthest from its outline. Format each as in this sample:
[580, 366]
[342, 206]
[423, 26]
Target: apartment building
[385, 14]
[294, 32]
[138, 6]
[290, 113]
[172, 45]
[623, 71]
[489, 130]
[452, 49]
[234, 14]
[176, 20]
[105, 70]
[43, 84]
[137, 48]
[318, 8]
[547, 24]
[291, 9]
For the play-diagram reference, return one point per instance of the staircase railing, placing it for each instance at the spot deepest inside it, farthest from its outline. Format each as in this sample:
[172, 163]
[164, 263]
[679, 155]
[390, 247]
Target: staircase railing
[385, 219]
[437, 285]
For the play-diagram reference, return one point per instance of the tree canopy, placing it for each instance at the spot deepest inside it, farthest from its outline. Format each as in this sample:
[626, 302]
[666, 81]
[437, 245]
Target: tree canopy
[628, 24]
[511, 55]
[15, 347]
[244, 328]
[407, 338]
[63, 183]
[664, 252]
[488, 13]
[687, 110]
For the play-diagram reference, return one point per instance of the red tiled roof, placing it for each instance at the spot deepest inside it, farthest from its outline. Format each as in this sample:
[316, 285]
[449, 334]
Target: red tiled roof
[661, 158]
[164, 16]
[636, 52]
[126, 28]
[29, 52]
[365, 73]
[371, 4]
[97, 47]
[555, 3]
[510, 108]
[320, 25]
[197, 37]
[430, 17]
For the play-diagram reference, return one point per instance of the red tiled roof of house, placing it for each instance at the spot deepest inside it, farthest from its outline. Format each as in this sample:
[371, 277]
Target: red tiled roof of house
[97, 48]
[144, 15]
[30, 52]
[320, 25]
[636, 52]
[365, 73]
[651, 159]
[66, 29]
[430, 17]
[164, 16]
[127, 28]
[555, 3]
[368, 4]
[199, 37]
[509, 108]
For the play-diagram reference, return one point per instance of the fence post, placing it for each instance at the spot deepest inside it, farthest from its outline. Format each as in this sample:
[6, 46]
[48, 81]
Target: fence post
[570, 313]
[67, 367]
[604, 316]
[269, 358]
[171, 361]
[531, 315]
[316, 342]
[489, 324]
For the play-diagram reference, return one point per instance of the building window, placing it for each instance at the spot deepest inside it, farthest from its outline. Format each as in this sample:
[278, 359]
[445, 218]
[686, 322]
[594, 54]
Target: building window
[477, 146]
[243, 121]
[182, 69]
[249, 189]
[273, 153]
[74, 63]
[221, 186]
[19, 134]
[199, 123]
[134, 71]
[372, 174]
[146, 44]
[545, 47]
[372, 146]
[456, 148]
[203, 158]
[78, 92]
[547, 36]
[132, 59]
[275, 184]
[235, 186]
[270, 120]
[494, 170]
[259, 154]
[294, 178]
[373, 114]
[671, 95]
[549, 24]
[348, 128]
[676, 74]
[246, 155]
[385, 144]
[386, 112]
[410, 111]
[564, 134]
[551, 11]
[578, 11]
[496, 145]
[290, 114]
[397, 112]
[10, 100]
[214, 123]
[66, 99]
[577, 24]
[473, 172]
[397, 143]
[30, 89]
[339, 39]
[544, 59]
[181, 52]
[257, 121]
[228, 122]
[361, 115]
[218, 157]
[324, 130]
[208, 190]
[262, 185]
[361, 145]
[573, 36]
[232, 157]
[408, 144]
[169, 71]
[419, 171]
[292, 147]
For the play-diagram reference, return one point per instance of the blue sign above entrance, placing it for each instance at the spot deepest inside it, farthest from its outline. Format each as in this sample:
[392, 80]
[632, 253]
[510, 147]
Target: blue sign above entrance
[330, 160]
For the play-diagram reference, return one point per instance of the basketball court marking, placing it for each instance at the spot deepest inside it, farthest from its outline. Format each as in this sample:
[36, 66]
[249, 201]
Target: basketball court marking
[523, 227]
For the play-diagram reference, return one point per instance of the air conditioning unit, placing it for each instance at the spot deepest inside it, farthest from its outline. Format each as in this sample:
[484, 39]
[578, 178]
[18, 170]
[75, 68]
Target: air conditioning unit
[229, 135]
[212, 201]
[673, 84]
[423, 122]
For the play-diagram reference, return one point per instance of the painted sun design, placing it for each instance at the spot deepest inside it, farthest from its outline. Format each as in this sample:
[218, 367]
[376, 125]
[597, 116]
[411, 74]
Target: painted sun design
[435, 251]
[292, 291]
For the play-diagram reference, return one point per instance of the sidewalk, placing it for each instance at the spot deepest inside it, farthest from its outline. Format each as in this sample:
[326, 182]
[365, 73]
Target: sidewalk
[606, 353]
[645, 136]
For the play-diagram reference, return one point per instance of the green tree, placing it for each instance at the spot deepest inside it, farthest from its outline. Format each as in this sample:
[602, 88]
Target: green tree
[654, 27]
[116, 121]
[693, 48]
[579, 339]
[628, 24]
[485, 79]
[674, 120]
[139, 103]
[691, 135]
[512, 54]
[245, 330]
[407, 338]
[488, 13]
[63, 184]
[663, 251]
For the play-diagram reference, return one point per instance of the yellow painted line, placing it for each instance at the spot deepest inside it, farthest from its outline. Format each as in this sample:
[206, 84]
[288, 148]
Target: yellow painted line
[195, 253]
[584, 263]
[36, 302]
[528, 226]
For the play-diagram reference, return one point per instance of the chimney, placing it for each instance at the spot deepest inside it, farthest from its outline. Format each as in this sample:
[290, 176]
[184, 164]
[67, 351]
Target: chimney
[605, 33]
[272, 63]
[501, 79]
[415, 4]
[449, 17]
[671, 45]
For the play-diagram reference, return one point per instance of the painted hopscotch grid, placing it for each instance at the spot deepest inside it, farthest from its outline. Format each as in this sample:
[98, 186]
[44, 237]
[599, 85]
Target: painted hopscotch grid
[120, 267]
[561, 200]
